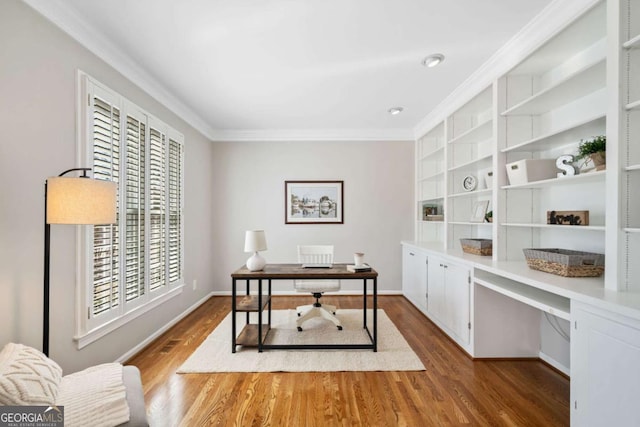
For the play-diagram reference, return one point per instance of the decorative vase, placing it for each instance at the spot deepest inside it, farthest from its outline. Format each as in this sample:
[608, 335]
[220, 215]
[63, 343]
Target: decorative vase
[599, 159]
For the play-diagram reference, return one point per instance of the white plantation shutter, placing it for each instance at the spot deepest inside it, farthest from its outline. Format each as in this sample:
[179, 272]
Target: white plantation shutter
[157, 208]
[129, 264]
[175, 211]
[105, 128]
[134, 263]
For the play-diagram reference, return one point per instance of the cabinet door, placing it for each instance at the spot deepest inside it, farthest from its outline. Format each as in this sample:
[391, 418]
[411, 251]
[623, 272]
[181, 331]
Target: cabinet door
[435, 288]
[414, 276]
[457, 286]
[605, 368]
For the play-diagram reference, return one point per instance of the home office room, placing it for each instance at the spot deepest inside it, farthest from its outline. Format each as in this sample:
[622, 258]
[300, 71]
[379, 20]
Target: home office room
[319, 213]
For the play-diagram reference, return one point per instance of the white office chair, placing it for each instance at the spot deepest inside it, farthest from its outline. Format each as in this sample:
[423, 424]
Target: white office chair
[316, 254]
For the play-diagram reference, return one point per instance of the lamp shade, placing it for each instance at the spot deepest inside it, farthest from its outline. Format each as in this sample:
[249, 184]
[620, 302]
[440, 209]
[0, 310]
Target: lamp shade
[80, 201]
[255, 240]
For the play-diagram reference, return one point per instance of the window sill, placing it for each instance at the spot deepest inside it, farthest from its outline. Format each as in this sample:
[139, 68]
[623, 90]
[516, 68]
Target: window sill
[102, 330]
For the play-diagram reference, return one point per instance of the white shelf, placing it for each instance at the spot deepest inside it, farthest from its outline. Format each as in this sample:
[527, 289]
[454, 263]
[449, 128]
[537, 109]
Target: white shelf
[431, 199]
[632, 168]
[576, 179]
[478, 133]
[433, 155]
[632, 230]
[469, 223]
[632, 43]
[471, 162]
[550, 303]
[564, 135]
[587, 79]
[471, 193]
[556, 226]
[635, 105]
[433, 177]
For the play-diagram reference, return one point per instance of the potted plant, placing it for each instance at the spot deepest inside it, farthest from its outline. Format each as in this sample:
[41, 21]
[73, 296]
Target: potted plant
[489, 216]
[594, 149]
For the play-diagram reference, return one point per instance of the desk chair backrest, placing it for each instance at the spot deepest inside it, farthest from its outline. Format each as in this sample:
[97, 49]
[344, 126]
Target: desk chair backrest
[316, 254]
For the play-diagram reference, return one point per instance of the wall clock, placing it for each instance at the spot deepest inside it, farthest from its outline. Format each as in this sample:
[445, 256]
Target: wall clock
[469, 183]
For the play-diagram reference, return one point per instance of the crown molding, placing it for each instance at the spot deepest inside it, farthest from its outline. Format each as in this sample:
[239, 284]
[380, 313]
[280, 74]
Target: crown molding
[553, 18]
[63, 16]
[237, 135]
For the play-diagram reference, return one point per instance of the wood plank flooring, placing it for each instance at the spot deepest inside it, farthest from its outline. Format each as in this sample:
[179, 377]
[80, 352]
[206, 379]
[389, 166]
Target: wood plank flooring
[454, 390]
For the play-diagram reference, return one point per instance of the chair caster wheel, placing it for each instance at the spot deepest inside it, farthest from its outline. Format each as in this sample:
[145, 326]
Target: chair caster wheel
[334, 313]
[339, 328]
[299, 328]
[298, 314]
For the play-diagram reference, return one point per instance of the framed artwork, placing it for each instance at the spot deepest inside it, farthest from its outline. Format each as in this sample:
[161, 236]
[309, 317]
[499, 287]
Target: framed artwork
[313, 202]
[479, 211]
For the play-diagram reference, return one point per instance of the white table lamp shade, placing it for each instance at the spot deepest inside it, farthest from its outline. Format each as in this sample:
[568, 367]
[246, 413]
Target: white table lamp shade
[80, 201]
[254, 241]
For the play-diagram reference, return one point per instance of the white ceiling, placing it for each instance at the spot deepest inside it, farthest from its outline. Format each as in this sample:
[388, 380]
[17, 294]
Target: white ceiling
[313, 66]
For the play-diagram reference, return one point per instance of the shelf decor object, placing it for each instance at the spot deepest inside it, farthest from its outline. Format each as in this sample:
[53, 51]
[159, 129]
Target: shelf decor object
[594, 149]
[564, 163]
[564, 262]
[479, 211]
[568, 217]
[482, 247]
[528, 170]
[255, 241]
[73, 201]
[469, 183]
[314, 202]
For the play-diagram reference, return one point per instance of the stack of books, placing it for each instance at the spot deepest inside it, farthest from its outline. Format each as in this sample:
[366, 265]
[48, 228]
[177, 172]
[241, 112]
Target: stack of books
[359, 268]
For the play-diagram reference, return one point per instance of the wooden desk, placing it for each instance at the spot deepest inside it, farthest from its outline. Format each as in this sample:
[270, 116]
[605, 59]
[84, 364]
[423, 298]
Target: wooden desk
[256, 334]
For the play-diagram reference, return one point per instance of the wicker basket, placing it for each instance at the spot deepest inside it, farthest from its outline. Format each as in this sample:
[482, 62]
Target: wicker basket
[564, 262]
[477, 246]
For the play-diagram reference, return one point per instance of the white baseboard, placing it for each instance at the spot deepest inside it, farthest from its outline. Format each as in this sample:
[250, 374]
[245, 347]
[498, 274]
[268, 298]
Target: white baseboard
[551, 361]
[129, 354]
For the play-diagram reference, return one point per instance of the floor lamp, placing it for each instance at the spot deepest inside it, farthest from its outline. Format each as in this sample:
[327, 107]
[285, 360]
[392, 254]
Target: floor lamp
[68, 200]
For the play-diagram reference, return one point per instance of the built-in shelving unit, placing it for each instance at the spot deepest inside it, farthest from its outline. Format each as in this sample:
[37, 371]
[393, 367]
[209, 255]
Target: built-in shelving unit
[470, 151]
[628, 128]
[547, 105]
[430, 185]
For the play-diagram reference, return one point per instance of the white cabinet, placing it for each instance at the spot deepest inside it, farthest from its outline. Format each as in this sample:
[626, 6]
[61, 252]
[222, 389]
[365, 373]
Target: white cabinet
[448, 287]
[605, 368]
[414, 276]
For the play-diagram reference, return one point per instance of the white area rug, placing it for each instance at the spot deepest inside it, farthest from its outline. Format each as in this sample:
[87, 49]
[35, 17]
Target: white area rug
[394, 353]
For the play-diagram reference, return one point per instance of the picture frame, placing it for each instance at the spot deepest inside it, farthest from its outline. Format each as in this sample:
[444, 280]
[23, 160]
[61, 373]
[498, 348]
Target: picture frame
[479, 211]
[314, 202]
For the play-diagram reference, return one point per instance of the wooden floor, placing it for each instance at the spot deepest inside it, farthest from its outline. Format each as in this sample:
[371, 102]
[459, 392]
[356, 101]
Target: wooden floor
[454, 390]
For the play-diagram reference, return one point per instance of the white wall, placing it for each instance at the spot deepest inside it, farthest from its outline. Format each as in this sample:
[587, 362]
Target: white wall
[38, 65]
[378, 200]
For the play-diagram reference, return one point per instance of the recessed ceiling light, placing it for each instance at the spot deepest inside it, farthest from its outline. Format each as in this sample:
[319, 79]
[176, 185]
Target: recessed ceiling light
[395, 111]
[433, 60]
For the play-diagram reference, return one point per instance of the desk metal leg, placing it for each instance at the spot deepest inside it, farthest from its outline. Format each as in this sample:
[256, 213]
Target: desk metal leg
[375, 314]
[364, 303]
[233, 315]
[259, 315]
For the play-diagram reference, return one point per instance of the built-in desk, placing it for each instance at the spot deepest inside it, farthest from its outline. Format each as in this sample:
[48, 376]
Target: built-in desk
[256, 334]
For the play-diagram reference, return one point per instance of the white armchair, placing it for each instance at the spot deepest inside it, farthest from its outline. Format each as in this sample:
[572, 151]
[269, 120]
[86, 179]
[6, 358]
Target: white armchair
[316, 254]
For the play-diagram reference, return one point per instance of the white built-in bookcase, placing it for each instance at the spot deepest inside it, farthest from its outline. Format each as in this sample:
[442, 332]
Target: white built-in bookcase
[564, 92]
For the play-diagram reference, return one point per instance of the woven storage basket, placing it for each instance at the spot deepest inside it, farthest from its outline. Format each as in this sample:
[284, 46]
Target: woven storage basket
[477, 246]
[565, 262]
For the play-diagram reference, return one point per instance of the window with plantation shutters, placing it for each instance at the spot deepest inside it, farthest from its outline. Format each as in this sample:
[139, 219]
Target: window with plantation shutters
[130, 266]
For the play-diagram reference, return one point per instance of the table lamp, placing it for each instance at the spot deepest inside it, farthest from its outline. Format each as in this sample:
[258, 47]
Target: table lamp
[73, 201]
[254, 241]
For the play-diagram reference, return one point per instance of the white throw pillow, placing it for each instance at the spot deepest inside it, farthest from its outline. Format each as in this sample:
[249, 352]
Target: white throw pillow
[27, 376]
